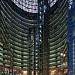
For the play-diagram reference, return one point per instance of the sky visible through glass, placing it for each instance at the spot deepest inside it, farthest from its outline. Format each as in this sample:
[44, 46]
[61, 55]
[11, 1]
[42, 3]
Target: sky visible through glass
[31, 5]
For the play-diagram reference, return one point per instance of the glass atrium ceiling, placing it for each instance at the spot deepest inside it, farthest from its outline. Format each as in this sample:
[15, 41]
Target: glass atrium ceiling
[27, 5]
[31, 5]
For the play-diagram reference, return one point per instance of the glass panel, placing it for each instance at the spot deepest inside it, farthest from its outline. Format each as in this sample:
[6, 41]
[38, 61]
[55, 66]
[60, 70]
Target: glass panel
[27, 5]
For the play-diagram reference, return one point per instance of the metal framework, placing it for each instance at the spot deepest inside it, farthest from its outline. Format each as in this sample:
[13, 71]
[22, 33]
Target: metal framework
[27, 5]
[26, 44]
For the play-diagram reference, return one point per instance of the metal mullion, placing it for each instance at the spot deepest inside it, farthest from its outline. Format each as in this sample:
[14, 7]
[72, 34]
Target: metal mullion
[42, 38]
[34, 51]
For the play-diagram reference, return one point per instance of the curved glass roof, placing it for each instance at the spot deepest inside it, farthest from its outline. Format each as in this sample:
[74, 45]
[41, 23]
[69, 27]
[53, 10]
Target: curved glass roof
[27, 5]
[31, 5]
